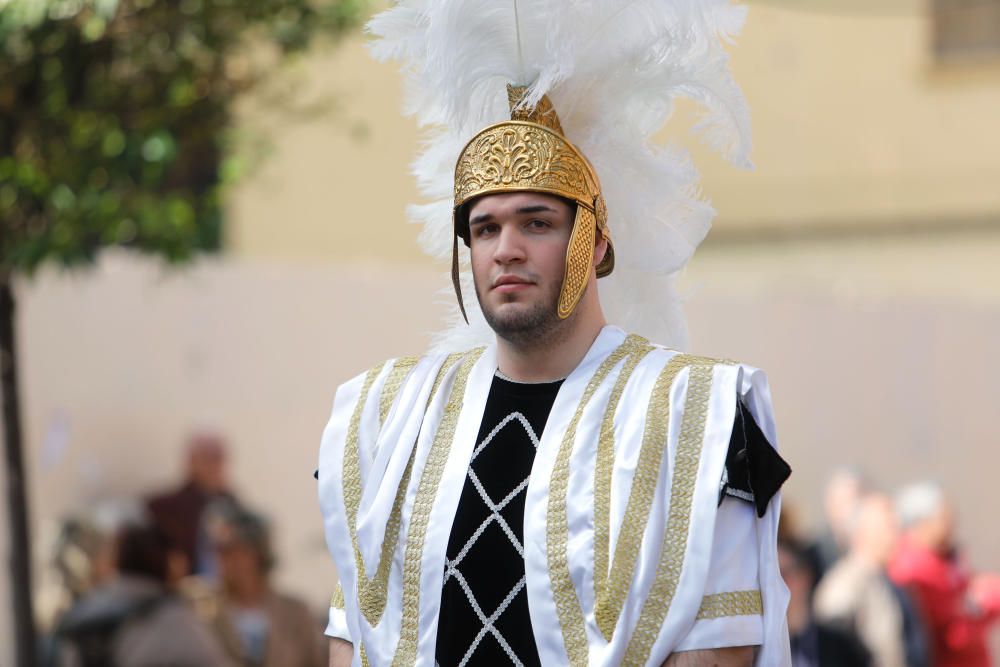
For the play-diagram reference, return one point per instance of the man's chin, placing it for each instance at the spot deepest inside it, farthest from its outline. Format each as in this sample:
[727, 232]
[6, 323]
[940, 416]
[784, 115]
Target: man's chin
[513, 320]
[513, 310]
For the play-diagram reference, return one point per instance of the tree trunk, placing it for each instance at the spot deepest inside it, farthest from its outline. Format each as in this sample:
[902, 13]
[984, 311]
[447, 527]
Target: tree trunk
[17, 496]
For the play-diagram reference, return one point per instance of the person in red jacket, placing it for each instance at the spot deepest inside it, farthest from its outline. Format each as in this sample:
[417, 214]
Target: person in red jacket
[958, 608]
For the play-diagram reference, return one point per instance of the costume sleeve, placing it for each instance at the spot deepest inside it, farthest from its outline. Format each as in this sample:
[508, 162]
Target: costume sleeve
[336, 625]
[745, 599]
[731, 613]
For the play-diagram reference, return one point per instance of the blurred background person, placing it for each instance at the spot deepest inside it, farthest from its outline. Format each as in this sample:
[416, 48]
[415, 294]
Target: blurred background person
[83, 558]
[840, 501]
[84, 552]
[134, 618]
[857, 595]
[814, 644]
[258, 626]
[958, 609]
[179, 512]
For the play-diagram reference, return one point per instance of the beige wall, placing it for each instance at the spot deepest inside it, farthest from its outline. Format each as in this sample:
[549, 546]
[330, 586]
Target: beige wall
[854, 123]
[334, 186]
[121, 364]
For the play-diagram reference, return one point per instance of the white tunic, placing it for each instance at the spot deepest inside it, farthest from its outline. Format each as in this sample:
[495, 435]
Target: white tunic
[629, 556]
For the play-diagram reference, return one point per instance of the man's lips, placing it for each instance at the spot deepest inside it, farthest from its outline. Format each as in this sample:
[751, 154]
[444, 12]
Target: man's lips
[506, 284]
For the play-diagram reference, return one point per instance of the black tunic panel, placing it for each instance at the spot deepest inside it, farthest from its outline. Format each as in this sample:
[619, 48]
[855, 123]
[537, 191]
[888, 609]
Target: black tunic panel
[484, 604]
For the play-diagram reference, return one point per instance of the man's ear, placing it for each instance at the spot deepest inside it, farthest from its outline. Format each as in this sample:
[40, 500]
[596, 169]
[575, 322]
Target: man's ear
[600, 249]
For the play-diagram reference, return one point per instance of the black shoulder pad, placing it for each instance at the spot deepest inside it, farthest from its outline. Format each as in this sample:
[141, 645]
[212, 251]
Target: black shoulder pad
[754, 469]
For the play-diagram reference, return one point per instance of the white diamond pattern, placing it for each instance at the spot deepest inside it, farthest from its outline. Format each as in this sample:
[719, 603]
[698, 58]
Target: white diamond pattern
[452, 566]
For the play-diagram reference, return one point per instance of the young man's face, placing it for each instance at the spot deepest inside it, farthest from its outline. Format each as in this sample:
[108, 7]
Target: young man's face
[518, 242]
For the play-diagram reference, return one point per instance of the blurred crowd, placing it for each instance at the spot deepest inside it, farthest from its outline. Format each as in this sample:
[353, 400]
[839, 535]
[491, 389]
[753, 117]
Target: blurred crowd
[181, 578]
[184, 578]
[885, 584]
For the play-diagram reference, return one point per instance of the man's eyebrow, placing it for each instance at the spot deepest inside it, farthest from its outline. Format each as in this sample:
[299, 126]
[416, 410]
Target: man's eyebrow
[524, 210]
[537, 208]
[480, 219]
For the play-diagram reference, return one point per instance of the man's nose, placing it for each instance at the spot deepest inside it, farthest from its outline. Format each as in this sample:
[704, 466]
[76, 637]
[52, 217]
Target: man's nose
[509, 248]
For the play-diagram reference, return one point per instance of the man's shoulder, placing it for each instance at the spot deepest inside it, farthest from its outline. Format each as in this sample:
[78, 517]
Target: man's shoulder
[403, 367]
[659, 354]
[754, 469]
[177, 498]
[387, 379]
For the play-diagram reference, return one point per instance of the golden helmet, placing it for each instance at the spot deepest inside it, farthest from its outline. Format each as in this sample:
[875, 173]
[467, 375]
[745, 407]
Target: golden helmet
[530, 153]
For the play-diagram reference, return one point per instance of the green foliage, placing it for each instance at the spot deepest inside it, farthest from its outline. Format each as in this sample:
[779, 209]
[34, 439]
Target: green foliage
[115, 117]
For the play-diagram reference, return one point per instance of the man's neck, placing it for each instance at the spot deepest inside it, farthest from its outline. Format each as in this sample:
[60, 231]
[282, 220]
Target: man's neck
[549, 361]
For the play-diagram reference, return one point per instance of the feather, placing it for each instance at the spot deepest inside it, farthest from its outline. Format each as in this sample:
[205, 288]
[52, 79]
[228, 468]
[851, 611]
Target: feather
[613, 70]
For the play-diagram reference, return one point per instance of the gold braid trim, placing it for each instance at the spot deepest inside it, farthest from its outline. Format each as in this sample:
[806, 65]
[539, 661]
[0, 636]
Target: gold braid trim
[392, 385]
[732, 603]
[603, 472]
[371, 590]
[570, 614]
[430, 480]
[352, 473]
[337, 599]
[675, 537]
[611, 596]
[579, 261]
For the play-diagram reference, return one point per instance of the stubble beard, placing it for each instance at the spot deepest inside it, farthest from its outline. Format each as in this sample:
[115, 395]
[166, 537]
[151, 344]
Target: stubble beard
[531, 327]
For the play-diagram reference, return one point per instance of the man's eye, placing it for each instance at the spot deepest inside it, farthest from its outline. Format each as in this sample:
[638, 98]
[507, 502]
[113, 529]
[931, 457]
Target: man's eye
[538, 224]
[484, 230]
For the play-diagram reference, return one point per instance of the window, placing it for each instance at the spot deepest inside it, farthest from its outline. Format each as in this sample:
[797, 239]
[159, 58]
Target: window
[966, 29]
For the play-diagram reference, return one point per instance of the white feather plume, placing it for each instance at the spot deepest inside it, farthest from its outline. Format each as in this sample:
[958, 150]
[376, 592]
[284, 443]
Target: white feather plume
[612, 69]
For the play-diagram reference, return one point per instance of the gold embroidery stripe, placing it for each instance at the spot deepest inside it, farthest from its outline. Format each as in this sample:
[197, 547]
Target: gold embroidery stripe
[368, 590]
[373, 593]
[352, 467]
[686, 460]
[427, 489]
[337, 599]
[611, 600]
[392, 385]
[445, 367]
[570, 614]
[732, 603]
[603, 470]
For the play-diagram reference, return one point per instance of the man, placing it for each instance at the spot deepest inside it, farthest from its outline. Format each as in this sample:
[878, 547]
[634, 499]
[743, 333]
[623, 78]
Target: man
[567, 494]
[518, 246]
[841, 496]
[857, 595]
[178, 513]
[256, 625]
[958, 608]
